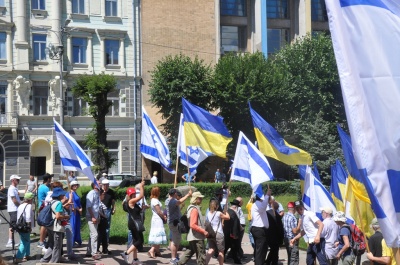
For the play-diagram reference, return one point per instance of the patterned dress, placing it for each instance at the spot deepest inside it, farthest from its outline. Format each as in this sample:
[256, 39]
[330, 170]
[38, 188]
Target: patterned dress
[157, 232]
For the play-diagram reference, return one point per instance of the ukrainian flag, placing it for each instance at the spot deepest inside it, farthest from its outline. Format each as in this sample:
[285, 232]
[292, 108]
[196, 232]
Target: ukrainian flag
[205, 130]
[273, 145]
[338, 185]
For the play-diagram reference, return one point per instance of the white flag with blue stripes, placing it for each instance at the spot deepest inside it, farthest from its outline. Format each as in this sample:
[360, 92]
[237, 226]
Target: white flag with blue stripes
[250, 165]
[366, 41]
[153, 145]
[315, 195]
[196, 155]
[72, 156]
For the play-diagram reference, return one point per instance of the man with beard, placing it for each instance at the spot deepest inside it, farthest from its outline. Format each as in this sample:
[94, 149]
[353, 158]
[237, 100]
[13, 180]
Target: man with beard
[275, 233]
[232, 232]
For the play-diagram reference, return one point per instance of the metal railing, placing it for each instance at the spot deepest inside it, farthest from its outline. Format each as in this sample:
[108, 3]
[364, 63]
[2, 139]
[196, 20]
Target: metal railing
[8, 119]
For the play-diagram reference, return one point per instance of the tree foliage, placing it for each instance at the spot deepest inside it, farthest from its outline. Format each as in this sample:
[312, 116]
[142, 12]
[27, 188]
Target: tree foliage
[94, 89]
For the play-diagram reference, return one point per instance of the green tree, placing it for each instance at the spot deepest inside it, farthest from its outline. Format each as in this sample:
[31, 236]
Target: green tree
[175, 77]
[94, 89]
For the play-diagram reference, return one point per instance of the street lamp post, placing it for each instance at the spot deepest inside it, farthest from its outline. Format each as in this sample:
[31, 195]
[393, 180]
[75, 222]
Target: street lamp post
[56, 53]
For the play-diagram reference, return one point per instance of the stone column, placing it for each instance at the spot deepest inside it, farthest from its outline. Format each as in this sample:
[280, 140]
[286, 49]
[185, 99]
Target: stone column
[102, 55]
[69, 53]
[121, 59]
[21, 20]
[10, 97]
[9, 49]
[23, 88]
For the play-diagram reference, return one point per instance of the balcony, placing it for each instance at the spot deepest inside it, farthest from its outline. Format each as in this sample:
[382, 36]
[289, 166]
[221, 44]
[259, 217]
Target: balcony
[8, 120]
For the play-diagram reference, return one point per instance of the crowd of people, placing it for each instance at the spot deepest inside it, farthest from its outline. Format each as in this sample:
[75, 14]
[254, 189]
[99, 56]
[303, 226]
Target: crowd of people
[329, 241]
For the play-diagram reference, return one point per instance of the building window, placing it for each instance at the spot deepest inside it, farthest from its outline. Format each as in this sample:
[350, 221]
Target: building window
[79, 46]
[318, 10]
[277, 9]
[277, 38]
[3, 50]
[112, 50]
[78, 6]
[233, 8]
[113, 97]
[81, 107]
[3, 99]
[233, 39]
[39, 47]
[111, 8]
[40, 96]
[2, 3]
[38, 4]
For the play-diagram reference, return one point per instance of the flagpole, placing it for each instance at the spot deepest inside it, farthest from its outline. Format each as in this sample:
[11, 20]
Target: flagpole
[187, 164]
[176, 168]
[227, 197]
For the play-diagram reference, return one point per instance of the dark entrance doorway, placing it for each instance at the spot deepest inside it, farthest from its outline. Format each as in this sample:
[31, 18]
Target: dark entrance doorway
[38, 166]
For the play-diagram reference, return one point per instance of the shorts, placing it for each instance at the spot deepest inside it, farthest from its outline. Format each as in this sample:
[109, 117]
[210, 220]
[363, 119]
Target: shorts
[13, 217]
[218, 244]
[176, 236]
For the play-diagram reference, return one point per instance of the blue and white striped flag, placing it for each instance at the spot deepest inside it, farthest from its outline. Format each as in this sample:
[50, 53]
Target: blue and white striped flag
[153, 145]
[250, 165]
[73, 158]
[366, 41]
[196, 155]
[315, 195]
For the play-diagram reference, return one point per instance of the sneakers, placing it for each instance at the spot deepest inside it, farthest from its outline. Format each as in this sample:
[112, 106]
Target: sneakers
[9, 244]
[174, 261]
[125, 257]
[40, 245]
[96, 257]
[136, 262]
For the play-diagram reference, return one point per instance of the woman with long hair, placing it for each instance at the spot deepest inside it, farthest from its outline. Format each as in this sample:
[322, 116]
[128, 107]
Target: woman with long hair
[134, 211]
[218, 243]
[157, 234]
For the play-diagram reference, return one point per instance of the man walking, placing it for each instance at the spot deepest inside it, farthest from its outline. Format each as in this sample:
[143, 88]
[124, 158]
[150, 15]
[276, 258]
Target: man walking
[93, 219]
[312, 227]
[275, 232]
[13, 201]
[109, 202]
[375, 243]
[291, 229]
[330, 233]
[42, 193]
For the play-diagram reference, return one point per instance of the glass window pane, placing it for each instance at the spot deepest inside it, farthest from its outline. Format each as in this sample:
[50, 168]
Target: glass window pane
[233, 7]
[276, 39]
[3, 51]
[277, 9]
[112, 50]
[2, 3]
[318, 10]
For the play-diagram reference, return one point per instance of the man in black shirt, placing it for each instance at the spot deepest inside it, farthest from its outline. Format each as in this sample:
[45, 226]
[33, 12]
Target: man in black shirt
[375, 241]
[109, 202]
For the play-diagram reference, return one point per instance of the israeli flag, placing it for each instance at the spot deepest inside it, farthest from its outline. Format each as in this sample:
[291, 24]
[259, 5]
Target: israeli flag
[366, 40]
[195, 156]
[153, 145]
[315, 195]
[250, 165]
[73, 158]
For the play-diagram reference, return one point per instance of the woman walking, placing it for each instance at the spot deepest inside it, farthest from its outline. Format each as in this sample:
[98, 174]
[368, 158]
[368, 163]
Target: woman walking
[25, 210]
[157, 232]
[76, 211]
[134, 211]
[216, 244]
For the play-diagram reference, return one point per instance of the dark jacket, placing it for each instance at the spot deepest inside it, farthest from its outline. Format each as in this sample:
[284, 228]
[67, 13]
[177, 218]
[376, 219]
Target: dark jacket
[275, 230]
[232, 226]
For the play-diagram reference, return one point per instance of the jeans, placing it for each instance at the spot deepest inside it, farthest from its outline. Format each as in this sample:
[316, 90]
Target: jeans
[108, 214]
[251, 238]
[316, 251]
[292, 252]
[69, 235]
[24, 249]
[196, 246]
[92, 244]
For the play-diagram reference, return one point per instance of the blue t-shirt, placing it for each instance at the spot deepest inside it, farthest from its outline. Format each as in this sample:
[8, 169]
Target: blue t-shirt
[42, 193]
[344, 231]
[188, 179]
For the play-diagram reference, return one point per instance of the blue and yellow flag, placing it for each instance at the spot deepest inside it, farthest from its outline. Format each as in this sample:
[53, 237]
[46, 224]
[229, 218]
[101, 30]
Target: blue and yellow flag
[273, 145]
[205, 130]
[338, 185]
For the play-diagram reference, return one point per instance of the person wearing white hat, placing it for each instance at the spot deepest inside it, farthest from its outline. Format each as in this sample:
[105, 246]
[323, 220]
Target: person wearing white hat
[76, 212]
[330, 233]
[345, 252]
[13, 201]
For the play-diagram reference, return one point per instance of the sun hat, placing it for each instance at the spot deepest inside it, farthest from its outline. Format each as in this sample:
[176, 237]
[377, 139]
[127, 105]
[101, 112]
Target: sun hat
[290, 205]
[339, 217]
[74, 182]
[104, 174]
[28, 196]
[105, 181]
[375, 222]
[130, 191]
[14, 177]
[326, 209]
[58, 191]
[196, 195]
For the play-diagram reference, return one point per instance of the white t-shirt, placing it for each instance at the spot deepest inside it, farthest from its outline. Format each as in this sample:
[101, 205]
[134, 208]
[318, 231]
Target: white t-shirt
[224, 196]
[309, 225]
[215, 221]
[28, 214]
[12, 192]
[153, 180]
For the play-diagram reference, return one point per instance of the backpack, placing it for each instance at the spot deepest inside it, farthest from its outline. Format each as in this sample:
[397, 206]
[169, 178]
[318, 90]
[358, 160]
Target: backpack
[21, 225]
[45, 217]
[183, 225]
[357, 241]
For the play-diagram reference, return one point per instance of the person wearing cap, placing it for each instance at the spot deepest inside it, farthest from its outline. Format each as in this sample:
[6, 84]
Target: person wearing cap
[134, 214]
[109, 202]
[345, 253]
[232, 231]
[25, 210]
[56, 232]
[13, 201]
[311, 226]
[93, 219]
[330, 233]
[197, 233]
[76, 212]
[43, 189]
[154, 179]
[173, 216]
[259, 227]
[379, 252]
[104, 176]
[291, 228]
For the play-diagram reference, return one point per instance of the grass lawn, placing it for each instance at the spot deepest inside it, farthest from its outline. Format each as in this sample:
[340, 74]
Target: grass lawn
[119, 222]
